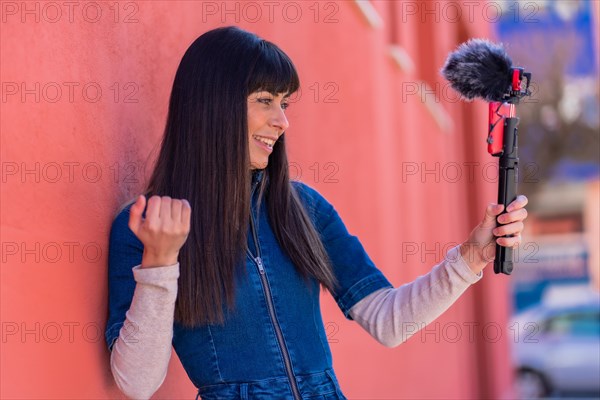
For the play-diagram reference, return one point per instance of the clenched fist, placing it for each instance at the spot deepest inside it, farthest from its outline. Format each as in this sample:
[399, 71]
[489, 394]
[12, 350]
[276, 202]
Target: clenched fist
[163, 231]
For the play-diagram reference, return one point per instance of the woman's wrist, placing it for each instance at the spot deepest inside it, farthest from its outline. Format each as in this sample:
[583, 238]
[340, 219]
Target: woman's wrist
[473, 256]
[151, 260]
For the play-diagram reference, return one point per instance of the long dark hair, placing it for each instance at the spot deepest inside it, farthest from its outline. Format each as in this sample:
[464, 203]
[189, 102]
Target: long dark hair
[204, 158]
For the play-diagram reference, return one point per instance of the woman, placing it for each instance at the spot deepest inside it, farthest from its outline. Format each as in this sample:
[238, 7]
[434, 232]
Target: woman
[234, 286]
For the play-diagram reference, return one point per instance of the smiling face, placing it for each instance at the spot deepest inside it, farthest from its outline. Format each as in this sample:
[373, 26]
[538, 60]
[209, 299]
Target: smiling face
[266, 122]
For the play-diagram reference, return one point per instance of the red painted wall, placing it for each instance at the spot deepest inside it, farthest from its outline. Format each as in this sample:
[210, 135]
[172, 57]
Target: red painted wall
[84, 97]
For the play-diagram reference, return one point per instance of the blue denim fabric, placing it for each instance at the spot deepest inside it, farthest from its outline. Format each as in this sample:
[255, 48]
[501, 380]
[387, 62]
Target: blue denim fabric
[273, 344]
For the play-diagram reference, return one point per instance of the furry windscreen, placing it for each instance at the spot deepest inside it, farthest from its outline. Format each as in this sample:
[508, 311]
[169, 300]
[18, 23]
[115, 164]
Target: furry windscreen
[479, 68]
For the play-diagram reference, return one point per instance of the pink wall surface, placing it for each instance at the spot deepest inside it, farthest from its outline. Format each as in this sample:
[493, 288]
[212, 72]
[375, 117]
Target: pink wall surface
[85, 90]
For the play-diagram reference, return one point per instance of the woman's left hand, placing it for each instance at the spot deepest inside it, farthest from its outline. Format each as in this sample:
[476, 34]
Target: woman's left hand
[480, 248]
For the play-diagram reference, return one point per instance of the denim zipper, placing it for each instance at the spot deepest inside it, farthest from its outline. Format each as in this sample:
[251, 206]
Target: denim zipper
[267, 292]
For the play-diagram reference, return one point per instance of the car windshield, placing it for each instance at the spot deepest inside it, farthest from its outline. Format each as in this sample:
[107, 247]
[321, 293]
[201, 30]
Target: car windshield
[579, 323]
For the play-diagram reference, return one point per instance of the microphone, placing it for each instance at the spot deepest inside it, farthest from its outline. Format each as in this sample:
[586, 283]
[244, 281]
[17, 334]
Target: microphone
[479, 68]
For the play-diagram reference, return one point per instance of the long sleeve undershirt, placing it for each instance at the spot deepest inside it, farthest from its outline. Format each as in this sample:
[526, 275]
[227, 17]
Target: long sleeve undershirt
[392, 315]
[140, 355]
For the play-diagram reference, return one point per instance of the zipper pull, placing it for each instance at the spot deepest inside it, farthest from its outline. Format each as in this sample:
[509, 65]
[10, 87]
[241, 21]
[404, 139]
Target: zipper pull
[260, 265]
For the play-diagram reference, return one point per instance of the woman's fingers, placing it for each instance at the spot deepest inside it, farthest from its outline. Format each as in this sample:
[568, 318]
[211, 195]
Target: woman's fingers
[164, 215]
[165, 208]
[520, 202]
[153, 209]
[164, 230]
[509, 241]
[509, 229]
[135, 213]
[513, 216]
[512, 220]
[186, 212]
[488, 231]
[176, 211]
[492, 210]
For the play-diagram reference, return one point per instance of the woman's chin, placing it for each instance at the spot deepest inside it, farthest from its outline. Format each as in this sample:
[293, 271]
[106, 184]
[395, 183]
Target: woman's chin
[258, 165]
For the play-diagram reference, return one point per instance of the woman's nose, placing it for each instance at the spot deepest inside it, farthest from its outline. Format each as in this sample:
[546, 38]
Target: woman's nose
[279, 119]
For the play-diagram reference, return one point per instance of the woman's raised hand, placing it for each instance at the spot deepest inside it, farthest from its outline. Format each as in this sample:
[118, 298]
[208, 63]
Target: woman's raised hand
[480, 248]
[163, 231]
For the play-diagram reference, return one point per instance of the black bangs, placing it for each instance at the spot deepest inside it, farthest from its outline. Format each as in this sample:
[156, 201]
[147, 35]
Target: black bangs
[273, 72]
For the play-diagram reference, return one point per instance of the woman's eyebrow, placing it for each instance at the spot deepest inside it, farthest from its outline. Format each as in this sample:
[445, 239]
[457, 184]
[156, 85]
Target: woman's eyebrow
[275, 94]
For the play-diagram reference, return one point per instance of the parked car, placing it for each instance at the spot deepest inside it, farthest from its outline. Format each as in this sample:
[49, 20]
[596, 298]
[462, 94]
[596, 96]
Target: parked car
[557, 349]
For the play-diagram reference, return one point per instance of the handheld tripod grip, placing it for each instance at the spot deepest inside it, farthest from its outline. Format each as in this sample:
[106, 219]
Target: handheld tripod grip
[508, 169]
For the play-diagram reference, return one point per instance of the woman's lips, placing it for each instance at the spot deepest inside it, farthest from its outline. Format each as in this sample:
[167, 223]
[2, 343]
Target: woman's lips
[264, 146]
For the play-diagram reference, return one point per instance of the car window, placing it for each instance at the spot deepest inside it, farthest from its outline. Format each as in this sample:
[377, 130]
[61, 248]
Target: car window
[577, 323]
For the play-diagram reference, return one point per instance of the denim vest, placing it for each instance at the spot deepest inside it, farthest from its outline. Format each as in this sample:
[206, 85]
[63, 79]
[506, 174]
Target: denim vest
[273, 344]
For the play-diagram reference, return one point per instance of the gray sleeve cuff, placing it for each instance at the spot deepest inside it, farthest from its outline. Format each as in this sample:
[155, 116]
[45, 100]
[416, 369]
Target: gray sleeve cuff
[156, 276]
[460, 267]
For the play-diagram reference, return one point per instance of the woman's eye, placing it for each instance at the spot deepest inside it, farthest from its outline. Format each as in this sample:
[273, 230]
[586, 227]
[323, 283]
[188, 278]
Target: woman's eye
[268, 101]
